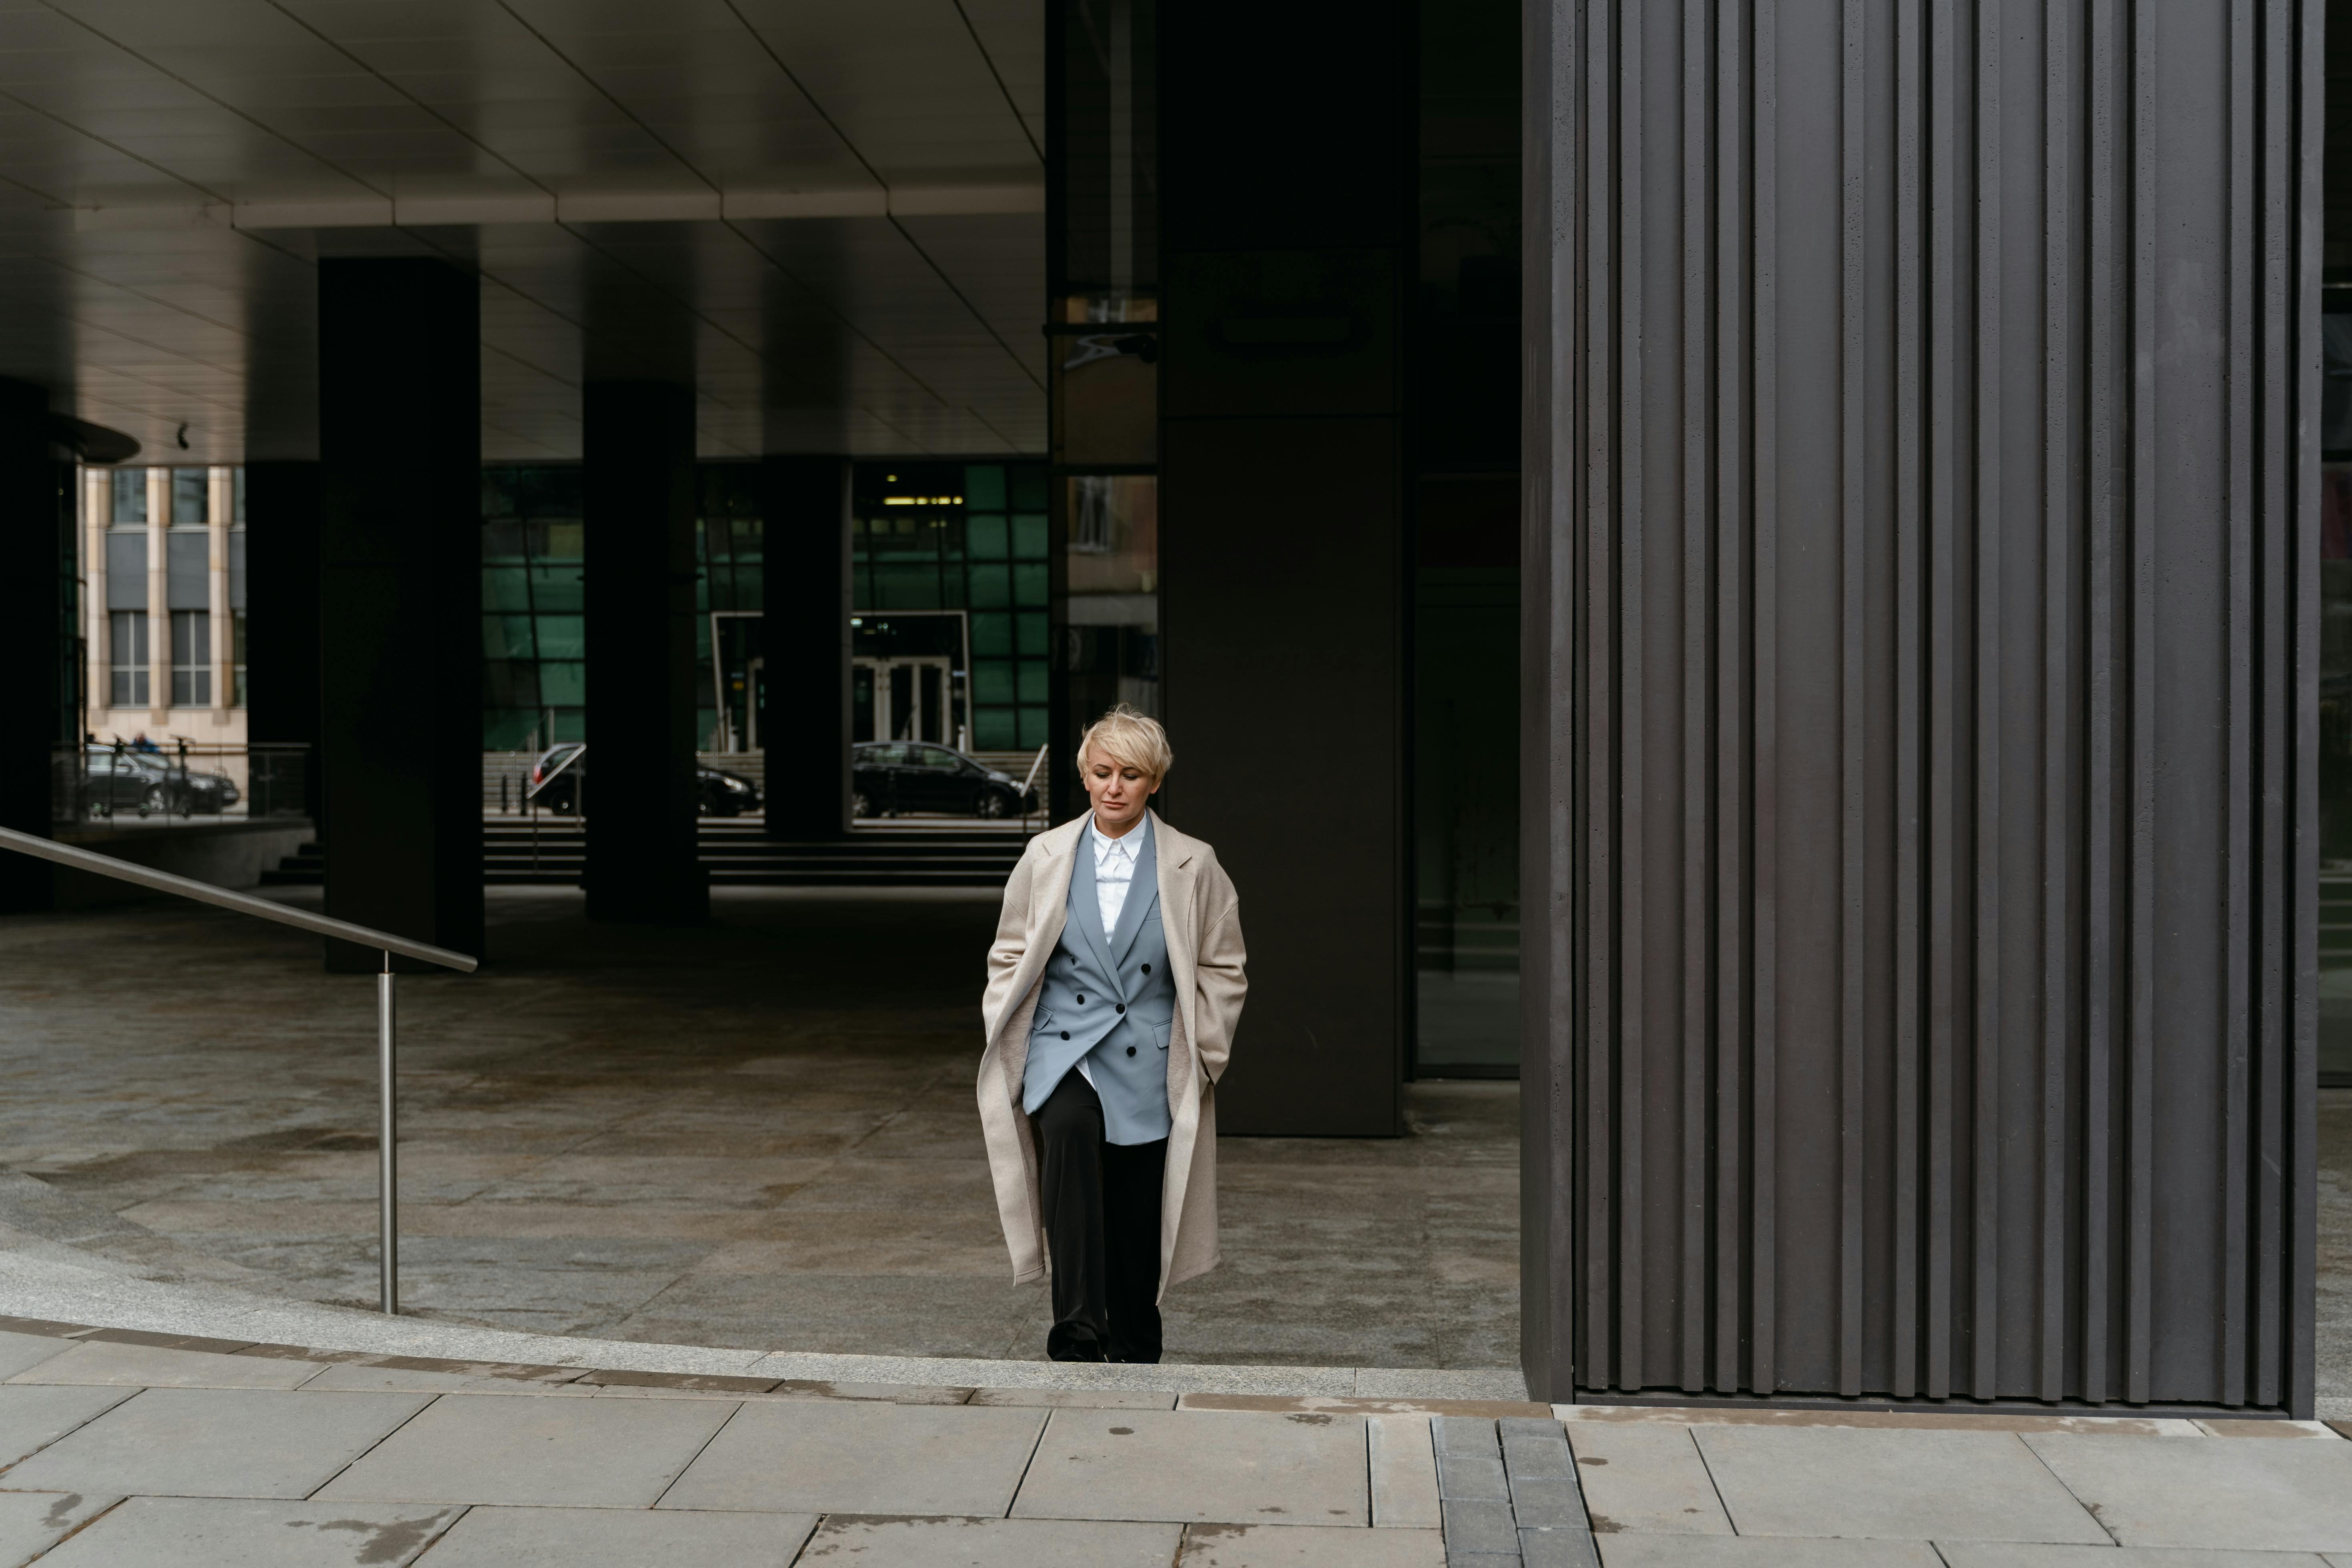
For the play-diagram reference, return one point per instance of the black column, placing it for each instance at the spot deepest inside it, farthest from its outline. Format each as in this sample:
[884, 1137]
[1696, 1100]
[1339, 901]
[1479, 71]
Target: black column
[638, 517]
[804, 727]
[35, 630]
[1284, 218]
[281, 619]
[400, 601]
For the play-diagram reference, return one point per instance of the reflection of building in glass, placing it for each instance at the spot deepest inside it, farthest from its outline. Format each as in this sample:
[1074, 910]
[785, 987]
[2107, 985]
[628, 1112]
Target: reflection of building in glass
[970, 537]
[161, 558]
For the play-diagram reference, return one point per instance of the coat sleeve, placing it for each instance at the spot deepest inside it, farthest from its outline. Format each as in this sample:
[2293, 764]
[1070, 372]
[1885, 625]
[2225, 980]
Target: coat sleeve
[1220, 977]
[1011, 943]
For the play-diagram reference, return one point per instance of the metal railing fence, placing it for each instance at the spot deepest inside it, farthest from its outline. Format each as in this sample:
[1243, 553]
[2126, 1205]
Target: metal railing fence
[388, 1043]
[121, 782]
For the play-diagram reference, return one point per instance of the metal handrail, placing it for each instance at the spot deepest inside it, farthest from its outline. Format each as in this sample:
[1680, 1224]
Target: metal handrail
[387, 1049]
[1030, 783]
[532, 794]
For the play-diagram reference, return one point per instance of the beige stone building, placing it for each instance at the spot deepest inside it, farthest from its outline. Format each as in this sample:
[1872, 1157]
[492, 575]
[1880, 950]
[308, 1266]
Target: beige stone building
[162, 565]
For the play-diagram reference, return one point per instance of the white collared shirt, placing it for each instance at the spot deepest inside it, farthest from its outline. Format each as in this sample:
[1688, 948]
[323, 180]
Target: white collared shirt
[1114, 869]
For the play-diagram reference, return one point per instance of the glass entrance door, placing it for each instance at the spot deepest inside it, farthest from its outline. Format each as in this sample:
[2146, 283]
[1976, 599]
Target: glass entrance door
[903, 700]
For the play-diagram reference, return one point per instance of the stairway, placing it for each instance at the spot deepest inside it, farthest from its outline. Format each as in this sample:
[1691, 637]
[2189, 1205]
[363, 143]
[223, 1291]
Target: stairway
[737, 855]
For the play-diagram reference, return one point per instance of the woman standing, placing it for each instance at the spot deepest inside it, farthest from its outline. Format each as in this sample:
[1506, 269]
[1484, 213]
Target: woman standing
[1114, 985]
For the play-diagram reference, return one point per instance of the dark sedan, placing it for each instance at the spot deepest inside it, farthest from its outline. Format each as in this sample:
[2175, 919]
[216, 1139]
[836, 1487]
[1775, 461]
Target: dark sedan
[556, 784]
[887, 778]
[150, 784]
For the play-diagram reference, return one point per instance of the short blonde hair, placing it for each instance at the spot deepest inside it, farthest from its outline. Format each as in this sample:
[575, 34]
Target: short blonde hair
[1131, 737]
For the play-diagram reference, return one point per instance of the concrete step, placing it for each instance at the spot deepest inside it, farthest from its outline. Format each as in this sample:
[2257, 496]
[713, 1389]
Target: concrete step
[557, 858]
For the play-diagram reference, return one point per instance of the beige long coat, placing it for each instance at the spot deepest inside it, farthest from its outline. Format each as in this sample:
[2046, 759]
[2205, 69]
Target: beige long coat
[1202, 918]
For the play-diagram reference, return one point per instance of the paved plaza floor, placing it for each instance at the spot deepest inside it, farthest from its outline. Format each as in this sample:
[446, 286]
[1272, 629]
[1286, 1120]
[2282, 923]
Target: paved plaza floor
[131, 1449]
[760, 1134]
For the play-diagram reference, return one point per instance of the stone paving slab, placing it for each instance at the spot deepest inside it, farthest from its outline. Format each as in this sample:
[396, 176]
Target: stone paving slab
[1980, 1486]
[2009, 1554]
[1646, 1479]
[828, 1457]
[238, 1532]
[218, 1442]
[1403, 1472]
[32, 1522]
[151, 1366]
[887, 1542]
[22, 1352]
[588, 1453]
[1199, 1468]
[2268, 1495]
[1308, 1546]
[33, 1418]
[1761, 1551]
[619, 1538]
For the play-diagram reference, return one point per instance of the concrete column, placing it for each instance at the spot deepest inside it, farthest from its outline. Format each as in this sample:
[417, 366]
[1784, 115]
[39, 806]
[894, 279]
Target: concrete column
[36, 554]
[401, 600]
[158, 602]
[804, 728]
[282, 600]
[1284, 215]
[638, 517]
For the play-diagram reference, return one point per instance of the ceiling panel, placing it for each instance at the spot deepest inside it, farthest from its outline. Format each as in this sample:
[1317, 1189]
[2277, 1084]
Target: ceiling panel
[137, 136]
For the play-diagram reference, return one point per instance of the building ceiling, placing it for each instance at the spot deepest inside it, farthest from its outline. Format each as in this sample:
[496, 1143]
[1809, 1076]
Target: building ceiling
[829, 213]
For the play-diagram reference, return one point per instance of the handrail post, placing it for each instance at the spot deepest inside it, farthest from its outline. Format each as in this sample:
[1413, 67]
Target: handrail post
[387, 1145]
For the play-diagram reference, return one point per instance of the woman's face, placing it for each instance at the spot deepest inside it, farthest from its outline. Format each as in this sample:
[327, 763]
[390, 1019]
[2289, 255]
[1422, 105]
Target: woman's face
[1120, 790]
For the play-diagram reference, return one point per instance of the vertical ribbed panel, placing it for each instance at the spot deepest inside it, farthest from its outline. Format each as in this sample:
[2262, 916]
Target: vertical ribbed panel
[1921, 619]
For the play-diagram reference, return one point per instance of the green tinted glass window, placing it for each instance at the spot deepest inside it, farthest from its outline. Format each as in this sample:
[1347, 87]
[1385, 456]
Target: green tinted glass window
[1030, 585]
[557, 588]
[992, 588]
[995, 729]
[991, 633]
[988, 540]
[506, 636]
[564, 685]
[504, 588]
[983, 487]
[1033, 682]
[1029, 537]
[1033, 727]
[906, 587]
[1032, 636]
[1029, 488]
[562, 637]
[992, 680]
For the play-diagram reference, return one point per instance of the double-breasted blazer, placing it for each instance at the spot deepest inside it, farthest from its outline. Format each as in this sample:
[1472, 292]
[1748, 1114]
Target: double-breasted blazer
[1200, 914]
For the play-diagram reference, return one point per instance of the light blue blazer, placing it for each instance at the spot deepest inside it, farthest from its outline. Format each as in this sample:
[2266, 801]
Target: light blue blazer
[1110, 1000]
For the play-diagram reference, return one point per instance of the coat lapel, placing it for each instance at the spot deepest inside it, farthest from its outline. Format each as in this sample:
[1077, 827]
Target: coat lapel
[1085, 903]
[1143, 896]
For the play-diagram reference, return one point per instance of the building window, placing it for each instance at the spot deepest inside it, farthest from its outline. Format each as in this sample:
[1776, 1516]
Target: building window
[192, 658]
[534, 632]
[236, 655]
[127, 652]
[130, 509]
[192, 498]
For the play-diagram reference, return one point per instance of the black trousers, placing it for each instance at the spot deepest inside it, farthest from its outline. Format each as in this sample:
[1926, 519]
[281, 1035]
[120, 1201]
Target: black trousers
[1102, 1231]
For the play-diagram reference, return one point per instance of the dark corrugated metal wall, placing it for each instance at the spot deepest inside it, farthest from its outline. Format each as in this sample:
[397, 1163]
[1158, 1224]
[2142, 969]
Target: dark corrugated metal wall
[1920, 673]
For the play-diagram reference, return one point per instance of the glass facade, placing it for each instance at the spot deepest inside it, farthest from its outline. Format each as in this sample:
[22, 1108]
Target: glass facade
[971, 537]
[534, 630]
[1466, 661]
[728, 534]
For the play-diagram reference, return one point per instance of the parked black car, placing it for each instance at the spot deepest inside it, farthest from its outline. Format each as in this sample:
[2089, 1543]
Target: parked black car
[717, 792]
[888, 777]
[150, 784]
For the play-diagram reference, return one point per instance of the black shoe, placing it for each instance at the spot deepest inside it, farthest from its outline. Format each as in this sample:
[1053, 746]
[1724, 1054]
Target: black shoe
[1072, 1347]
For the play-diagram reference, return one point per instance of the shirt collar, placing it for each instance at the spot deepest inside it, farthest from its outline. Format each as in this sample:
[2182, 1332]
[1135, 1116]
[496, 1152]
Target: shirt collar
[1126, 843]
